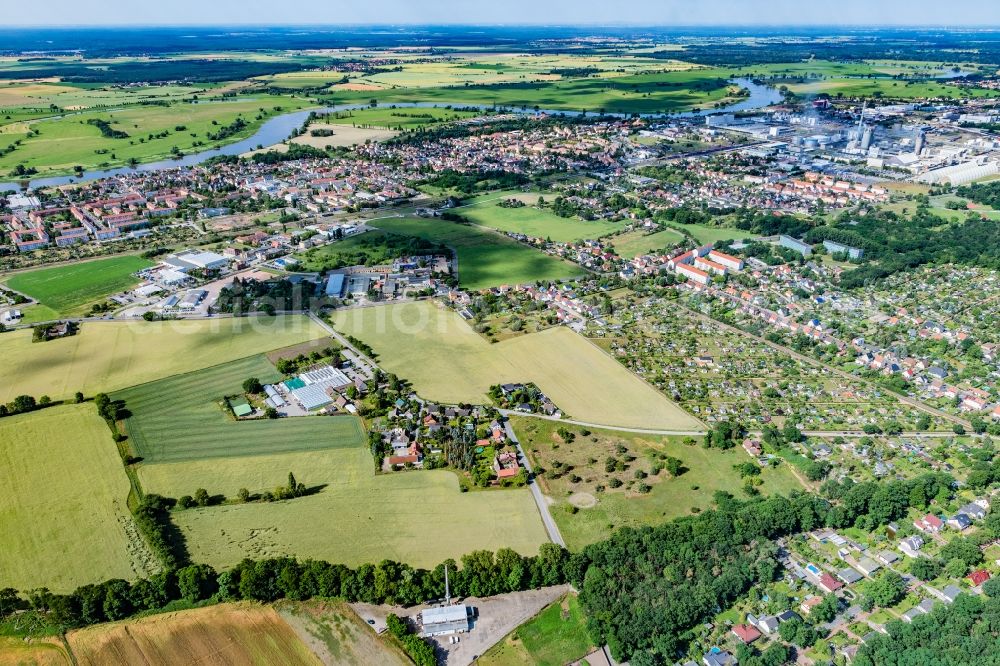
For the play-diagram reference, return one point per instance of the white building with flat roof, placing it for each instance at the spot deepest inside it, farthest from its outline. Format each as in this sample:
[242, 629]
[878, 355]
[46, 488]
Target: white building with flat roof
[445, 620]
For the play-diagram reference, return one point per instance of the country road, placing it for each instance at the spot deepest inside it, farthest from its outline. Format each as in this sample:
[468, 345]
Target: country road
[543, 507]
[701, 433]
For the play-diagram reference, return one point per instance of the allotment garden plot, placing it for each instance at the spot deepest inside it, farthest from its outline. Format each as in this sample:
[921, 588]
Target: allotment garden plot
[718, 374]
[446, 360]
[108, 356]
[63, 515]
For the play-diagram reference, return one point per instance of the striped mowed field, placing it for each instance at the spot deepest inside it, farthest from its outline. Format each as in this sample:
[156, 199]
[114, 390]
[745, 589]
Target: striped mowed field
[183, 418]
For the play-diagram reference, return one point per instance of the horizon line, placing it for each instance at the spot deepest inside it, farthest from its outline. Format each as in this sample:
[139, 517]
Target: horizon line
[596, 24]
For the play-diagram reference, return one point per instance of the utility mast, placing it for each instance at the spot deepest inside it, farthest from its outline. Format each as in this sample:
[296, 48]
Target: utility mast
[447, 591]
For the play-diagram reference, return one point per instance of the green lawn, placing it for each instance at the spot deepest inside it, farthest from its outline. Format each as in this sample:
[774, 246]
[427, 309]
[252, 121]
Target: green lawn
[180, 418]
[704, 233]
[556, 636]
[637, 242]
[485, 259]
[63, 515]
[599, 512]
[531, 220]
[69, 289]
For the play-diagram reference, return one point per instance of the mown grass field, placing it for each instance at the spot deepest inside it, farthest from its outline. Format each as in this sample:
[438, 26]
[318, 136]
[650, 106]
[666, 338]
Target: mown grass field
[531, 220]
[397, 118]
[598, 512]
[639, 241]
[109, 356]
[63, 515]
[556, 636]
[69, 289]
[485, 259]
[446, 360]
[182, 418]
[418, 517]
[704, 233]
[221, 635]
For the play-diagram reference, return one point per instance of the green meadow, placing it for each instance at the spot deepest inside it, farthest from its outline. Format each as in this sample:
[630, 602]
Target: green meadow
[69, 289]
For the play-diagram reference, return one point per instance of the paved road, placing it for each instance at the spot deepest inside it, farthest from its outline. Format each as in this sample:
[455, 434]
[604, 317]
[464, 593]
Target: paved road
[585, 424]
[701, 433]
[543, 507]
[340, 338]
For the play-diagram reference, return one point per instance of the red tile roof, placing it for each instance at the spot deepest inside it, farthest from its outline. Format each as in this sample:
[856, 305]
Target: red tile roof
[979, 577]
[746, 633]
[830, 583]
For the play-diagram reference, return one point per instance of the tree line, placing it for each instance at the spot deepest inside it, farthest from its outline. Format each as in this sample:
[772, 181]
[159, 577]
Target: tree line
[480, 573]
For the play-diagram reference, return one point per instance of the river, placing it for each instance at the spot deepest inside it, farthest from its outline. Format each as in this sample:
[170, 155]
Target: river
[279, 128]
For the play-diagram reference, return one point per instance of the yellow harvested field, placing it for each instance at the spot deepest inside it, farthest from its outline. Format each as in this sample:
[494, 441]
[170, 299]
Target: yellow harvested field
[108, 356]
[224, 635]
[35, 651]
[419, 517]
[355, 86]
[64, 520]
[28, 94]
[447, 361]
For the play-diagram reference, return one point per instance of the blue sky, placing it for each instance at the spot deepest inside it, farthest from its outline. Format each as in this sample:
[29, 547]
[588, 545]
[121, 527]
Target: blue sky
[642, 12]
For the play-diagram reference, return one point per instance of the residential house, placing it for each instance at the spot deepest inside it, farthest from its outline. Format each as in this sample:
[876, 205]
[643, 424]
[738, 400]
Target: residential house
[746, 633]
[978, 577]
[929, 524]
[910, 546]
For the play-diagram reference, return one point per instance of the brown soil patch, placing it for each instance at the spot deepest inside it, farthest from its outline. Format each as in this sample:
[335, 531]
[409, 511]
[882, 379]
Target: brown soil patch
[303, 348]
[337, 635]
[582, 500]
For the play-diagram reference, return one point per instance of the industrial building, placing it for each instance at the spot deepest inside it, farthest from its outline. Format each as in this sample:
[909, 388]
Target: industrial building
[192, 260]
[335, 285]
[445, 620]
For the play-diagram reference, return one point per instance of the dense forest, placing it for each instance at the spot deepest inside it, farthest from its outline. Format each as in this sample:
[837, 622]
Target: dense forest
[894, 242]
